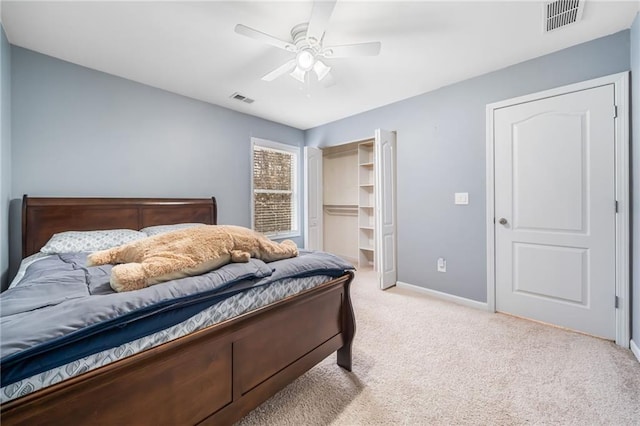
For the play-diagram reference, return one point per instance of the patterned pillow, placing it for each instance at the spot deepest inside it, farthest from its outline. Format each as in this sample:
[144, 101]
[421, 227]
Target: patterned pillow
[86, 241]
[161, 229]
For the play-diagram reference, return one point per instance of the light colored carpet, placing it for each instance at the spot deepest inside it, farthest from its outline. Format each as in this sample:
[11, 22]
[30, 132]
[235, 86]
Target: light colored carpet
[419, 360]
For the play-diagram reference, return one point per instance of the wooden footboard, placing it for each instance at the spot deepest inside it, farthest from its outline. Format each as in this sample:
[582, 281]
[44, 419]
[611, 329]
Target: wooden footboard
[213, 376]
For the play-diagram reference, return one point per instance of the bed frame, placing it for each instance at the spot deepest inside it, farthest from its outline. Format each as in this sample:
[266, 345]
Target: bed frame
[213, 376]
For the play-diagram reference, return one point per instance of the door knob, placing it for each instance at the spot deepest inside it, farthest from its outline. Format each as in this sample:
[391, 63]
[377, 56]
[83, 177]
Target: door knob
[502, 221]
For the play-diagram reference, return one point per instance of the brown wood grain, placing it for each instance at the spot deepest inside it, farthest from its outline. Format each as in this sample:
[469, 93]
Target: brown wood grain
[261, 354]
[158, 391]
[213, 376]
[42, 217]
[190, 379]
[344, 357]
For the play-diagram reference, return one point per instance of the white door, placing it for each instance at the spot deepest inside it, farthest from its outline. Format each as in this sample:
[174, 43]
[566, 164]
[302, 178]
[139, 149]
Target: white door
[385, 212]
[313, 198]
[555, 210]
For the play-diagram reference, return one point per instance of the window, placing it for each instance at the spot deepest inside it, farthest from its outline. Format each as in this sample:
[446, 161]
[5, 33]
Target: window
[275, 188]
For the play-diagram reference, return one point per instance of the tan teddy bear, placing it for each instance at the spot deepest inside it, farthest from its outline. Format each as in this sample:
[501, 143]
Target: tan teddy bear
[186, 252]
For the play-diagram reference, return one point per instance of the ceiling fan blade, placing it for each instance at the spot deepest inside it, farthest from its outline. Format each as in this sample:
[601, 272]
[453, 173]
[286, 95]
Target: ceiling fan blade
[346, 50]
[319, 20]
[281, 70]
[266, 38]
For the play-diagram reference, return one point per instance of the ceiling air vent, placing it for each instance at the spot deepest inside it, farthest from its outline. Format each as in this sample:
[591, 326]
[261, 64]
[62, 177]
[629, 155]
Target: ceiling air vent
[238, 97]
[560, 13]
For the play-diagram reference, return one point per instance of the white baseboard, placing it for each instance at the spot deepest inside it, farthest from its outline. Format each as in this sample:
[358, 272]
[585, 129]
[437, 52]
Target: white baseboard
[635, 349]
[445, 296]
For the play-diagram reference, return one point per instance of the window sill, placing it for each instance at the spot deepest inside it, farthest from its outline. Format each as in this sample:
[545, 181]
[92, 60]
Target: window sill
[283, 236]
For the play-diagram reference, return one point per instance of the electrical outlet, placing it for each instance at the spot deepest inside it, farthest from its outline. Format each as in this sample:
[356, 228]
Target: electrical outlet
[442, 265]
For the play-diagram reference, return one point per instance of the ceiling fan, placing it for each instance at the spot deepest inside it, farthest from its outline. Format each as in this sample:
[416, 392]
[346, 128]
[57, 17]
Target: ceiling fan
[307, 44]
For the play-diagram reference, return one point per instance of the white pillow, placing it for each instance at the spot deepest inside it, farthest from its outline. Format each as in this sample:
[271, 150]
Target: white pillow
[161, 229]
[86, 241]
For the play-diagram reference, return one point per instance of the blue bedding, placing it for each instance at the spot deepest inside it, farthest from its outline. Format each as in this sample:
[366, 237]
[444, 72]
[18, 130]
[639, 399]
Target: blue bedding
[62, 310]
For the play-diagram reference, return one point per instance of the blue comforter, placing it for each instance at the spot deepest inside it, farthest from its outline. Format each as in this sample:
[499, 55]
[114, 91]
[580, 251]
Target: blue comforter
[62, 310]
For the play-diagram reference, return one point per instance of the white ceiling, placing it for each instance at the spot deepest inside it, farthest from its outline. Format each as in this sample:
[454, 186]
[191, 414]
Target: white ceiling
[191, 48]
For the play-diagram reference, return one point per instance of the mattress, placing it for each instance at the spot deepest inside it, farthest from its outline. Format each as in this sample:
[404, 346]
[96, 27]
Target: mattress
[57, 348]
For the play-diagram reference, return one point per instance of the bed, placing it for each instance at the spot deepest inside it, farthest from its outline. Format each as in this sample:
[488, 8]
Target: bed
[211, 376]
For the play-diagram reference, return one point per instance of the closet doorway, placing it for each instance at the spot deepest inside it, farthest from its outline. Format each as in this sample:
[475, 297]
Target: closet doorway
[350, 203]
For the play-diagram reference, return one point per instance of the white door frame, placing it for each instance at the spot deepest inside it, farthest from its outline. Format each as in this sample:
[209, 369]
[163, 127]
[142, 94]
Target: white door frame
[310, 201]
[621, 90]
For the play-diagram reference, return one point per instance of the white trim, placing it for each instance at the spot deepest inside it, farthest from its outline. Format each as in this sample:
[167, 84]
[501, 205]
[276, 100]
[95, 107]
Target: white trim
[490, 218]
[283, 236]
[623, 231]
[305, 208]
[295, 201]
[354, 141]
[621, 89]
[563, 90]
[635, 349]
[278, 146]
[444, 296]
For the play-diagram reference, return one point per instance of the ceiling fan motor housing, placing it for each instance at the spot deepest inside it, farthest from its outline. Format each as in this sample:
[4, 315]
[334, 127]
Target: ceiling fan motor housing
[307, 45]
[308, 48]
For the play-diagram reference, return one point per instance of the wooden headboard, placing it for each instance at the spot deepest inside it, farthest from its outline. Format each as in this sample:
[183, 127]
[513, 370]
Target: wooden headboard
[43, 217]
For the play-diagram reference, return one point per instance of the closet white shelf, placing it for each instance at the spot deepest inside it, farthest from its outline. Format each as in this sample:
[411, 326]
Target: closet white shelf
[366, 212]
[341, 209]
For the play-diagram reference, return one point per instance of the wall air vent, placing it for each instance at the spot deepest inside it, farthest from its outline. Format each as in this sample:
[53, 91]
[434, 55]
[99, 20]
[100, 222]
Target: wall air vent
[238, 97]
[560, 13]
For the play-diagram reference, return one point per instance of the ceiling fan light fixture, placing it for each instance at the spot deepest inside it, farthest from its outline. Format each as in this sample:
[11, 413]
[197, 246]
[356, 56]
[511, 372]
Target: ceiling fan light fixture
[307, 43]
[321, 69]
[305, 59]
[299, 74]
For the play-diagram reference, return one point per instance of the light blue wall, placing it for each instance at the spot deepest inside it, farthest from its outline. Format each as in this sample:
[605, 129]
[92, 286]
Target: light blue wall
[5, 154]
[441, 150]
[80, 132]
[635, 178]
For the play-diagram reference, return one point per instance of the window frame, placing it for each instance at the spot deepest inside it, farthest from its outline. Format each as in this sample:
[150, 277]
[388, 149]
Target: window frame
[295, 187]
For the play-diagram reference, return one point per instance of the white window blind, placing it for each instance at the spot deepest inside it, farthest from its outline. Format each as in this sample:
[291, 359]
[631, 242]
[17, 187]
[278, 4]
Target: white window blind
[275, 198]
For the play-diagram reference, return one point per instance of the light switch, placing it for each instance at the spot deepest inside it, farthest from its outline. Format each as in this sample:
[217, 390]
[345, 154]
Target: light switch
[442, 265]
[462, 198]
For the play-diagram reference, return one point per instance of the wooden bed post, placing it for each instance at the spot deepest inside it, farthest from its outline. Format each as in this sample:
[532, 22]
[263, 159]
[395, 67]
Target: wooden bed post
[349, 327]
[24, 225]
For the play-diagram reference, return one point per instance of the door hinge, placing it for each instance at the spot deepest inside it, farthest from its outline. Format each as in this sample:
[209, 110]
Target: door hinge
[615, 111]
[617, 302]
[616, 206]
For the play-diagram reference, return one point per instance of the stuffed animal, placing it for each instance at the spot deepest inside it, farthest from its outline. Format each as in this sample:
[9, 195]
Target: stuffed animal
[186, 252]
